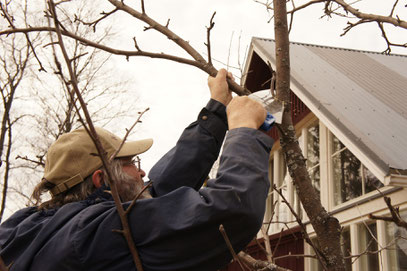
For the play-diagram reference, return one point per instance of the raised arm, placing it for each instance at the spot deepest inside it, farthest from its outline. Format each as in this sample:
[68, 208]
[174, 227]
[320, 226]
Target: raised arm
[186, 233]
[189, 162]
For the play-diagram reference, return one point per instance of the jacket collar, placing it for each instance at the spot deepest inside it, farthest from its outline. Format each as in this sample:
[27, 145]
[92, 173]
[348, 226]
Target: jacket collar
[99, 195]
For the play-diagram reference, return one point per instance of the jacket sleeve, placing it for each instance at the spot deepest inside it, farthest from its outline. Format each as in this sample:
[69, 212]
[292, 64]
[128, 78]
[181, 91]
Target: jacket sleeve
[189, 162]
[185, 235]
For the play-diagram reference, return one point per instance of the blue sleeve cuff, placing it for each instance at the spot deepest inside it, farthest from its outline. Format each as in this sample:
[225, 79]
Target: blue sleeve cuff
[219, 109]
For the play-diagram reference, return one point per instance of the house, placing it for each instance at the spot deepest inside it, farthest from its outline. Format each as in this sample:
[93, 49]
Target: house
[349, 108]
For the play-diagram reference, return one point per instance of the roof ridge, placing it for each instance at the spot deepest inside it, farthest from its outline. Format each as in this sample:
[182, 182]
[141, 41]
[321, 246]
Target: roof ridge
[332, 47]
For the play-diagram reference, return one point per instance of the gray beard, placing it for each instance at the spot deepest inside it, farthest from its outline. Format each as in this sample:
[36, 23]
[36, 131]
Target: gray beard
[129, 188]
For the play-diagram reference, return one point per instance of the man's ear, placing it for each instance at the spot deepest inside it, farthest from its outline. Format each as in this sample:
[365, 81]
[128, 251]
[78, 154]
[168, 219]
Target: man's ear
[97, 178]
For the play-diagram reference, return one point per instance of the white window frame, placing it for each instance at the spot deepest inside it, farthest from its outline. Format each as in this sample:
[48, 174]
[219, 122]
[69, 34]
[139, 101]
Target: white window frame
[384, 257]
[348, 216]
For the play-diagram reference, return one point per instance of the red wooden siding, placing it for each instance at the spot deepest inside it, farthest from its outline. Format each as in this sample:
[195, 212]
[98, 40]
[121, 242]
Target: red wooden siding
[289, 242]
[298, 111]
[259, 77]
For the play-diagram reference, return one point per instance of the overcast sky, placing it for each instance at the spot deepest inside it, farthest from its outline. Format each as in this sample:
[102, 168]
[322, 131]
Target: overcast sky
[176, 93]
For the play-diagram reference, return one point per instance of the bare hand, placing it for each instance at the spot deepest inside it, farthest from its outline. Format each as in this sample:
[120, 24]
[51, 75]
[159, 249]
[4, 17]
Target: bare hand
[219, 87]
[245, 112]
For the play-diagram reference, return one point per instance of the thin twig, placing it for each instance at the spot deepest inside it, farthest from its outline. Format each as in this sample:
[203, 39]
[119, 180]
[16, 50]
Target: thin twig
[259, 264]
[395, 215]
[262, 248]
[127, 134]
[230, 49]
[36, 162]
[94, 23]
[393, 8]
[267, 245]
[10, 20]
[143, 7]
[208, 34]
[232, 251]
[200, 62]
[3, 266]
[128, 210]
[319, 254]
[278, 242]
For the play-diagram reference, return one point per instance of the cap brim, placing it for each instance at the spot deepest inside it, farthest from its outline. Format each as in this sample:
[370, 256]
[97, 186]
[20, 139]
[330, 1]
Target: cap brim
[132, 148]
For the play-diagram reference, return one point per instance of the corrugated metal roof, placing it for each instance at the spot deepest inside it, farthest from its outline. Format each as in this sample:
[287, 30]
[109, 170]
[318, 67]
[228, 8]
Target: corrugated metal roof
[361, 95]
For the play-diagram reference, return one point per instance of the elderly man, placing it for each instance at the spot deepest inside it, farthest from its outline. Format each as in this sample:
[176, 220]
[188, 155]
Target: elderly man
[176, 225]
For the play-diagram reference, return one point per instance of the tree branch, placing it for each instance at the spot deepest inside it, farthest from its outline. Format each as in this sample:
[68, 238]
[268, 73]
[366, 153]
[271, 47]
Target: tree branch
[394, 212]
[371, 17]
[36, 162]
[200, 61]
[393, 8]
[348, 9]
[131, 206]
[203, 66]
[208, 33]
[318, 252]
[143, 7]
[93, 134]
[232, 251]
[10, 20]
[127, 134]
[259, 264]
[94, 23]
[3, 266]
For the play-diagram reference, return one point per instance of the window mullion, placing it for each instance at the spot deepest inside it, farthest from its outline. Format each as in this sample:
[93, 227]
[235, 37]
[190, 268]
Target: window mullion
[355, 246]
[323, 165]
[381, 238]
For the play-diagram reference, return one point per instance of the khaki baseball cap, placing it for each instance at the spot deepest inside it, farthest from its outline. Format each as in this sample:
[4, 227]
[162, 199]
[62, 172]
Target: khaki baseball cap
[73, 156]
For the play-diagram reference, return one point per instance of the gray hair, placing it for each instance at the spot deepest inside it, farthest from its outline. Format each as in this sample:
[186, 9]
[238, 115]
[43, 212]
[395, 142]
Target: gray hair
[128, 188]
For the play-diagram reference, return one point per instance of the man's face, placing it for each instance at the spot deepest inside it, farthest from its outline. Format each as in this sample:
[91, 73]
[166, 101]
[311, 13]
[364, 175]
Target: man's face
[130, 188]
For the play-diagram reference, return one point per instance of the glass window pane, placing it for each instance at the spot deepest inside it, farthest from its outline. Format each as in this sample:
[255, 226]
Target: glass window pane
[351, 178]
[369, 248]
[371, 182]
[346, 248]
[297, 204]
[313, 145]
[396, 238]
[336, 145]
[315, 264]
[282, 207]
[313, 154]
[269, 202]
[315, 177]
[346, 176]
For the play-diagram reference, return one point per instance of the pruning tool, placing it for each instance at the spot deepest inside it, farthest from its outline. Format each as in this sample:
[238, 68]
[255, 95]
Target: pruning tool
[273, 106]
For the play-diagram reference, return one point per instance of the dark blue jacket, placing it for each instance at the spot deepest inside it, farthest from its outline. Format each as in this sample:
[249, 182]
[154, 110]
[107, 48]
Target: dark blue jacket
[178, 229]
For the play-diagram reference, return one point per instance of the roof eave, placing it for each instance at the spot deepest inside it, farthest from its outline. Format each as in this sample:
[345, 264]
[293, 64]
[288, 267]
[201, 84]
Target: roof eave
[396, 180]
[396, 177]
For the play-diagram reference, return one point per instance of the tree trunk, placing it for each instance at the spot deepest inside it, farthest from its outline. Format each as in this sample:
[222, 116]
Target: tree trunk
[6, 171]
[326, 227]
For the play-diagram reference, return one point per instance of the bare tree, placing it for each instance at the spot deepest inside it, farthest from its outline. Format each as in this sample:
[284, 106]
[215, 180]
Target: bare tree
[356, 16]
[53, 109]
[14, 61]
[69, 74]
[326, 227]
[103, 97]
